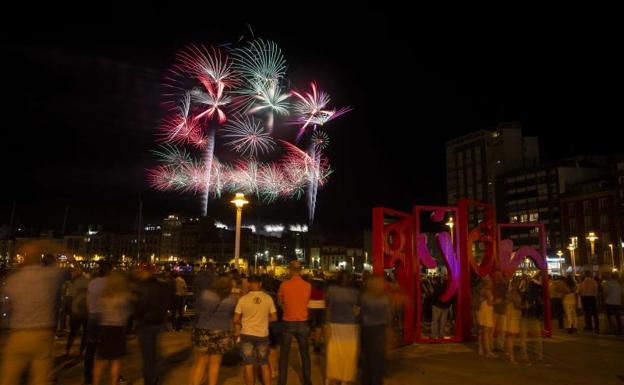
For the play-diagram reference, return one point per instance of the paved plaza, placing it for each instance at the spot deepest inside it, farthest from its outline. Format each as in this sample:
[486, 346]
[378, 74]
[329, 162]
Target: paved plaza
[568, 359]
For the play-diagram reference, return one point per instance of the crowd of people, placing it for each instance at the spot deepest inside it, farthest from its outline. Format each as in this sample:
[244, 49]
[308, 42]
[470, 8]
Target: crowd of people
[255, 317]
[588, 296]
[509, 312]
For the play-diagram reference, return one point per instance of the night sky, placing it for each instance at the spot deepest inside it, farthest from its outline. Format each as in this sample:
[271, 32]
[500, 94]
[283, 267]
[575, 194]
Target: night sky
[82, 105]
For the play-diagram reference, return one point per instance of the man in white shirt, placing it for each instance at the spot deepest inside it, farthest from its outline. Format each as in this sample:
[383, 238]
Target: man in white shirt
[251, 320]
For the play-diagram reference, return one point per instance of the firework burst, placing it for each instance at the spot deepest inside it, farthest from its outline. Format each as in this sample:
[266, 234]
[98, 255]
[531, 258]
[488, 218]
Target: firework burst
[247, 137]
[236, 99]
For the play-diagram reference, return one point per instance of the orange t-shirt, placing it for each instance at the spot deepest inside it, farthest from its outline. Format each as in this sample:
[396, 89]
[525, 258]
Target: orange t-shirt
[295, 295]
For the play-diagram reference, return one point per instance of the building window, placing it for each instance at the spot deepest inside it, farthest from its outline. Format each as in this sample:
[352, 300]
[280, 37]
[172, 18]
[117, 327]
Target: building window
[604, 221]
[533, 217]
[602, 203]
[587, 222]
[585, 207]
[524, 218]
[572, 226]
[571, 209]
[513, 219]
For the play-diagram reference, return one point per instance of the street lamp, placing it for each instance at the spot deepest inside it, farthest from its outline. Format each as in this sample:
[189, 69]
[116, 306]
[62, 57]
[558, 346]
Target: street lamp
[450, 225]
[239, 201]
[612, 256]
[571, 247]
[560, 255]
[591, 237]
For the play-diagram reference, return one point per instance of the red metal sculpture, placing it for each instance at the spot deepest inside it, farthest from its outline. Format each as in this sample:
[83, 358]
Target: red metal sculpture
[400, 243]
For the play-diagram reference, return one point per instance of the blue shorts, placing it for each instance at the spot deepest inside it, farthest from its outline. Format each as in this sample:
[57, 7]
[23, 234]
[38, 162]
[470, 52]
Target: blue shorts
[255, 350]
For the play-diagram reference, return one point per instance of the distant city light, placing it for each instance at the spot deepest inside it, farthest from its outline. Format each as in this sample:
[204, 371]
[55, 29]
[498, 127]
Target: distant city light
[220, 225]
[251, 227]
[299, 228]
[273, 228]
[91, 232]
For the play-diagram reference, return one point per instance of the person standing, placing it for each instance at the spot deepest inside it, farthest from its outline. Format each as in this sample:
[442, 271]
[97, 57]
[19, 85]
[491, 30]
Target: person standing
[613, 301]
[485, 317]
[94, 297]
[588, 290]
[114, 313]
[569, 302]
[179, 302]
[440, 310]
[343, 307]
[79, 311]
[514, 314]
[556, 293]
[316, 310]
[213, 334]
[500, 309]
[152, 300]
[294, 296]
[252, 315]
[376, 314]
[33, 295]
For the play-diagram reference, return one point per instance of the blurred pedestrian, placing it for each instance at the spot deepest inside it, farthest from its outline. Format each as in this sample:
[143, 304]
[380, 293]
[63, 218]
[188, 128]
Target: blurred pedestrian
[153, 299]
[613, 302]
[569, 302]
[32, 292]
[513, 317]
[251, 317]
[94, 297]
[343, 340]
[179, 302]
[588, 290]
[531, 321]
[485, 317]
[316, 311]
[500, 309]
[79, 311]
[114, 313]
[213, 334]
[440, 310]
[376, 313]
[294, 296]
[556, 294]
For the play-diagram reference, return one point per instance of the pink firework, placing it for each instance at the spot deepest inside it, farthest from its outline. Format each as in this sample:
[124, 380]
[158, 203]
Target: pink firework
[311, 109]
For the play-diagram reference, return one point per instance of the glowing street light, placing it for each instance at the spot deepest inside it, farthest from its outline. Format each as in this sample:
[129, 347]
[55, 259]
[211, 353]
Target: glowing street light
[560, 255]
[612, 257]
[239, 201]
[591, 237]
[450, 225]
[572, 247]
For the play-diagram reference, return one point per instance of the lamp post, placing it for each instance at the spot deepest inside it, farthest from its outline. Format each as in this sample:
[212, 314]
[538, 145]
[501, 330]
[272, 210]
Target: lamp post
[571, 247]
[560, 255]
[591, 237]
[239, 201]
[450, 225]
[612, 257]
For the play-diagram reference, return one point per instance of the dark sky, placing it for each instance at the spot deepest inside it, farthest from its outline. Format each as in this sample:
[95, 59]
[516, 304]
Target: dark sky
[82, 106]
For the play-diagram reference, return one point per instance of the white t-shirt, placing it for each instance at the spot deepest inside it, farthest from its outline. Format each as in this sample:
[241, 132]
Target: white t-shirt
[255, 308]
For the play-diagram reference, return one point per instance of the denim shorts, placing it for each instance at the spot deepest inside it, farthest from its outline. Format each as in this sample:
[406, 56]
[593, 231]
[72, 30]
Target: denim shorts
[255, 350]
